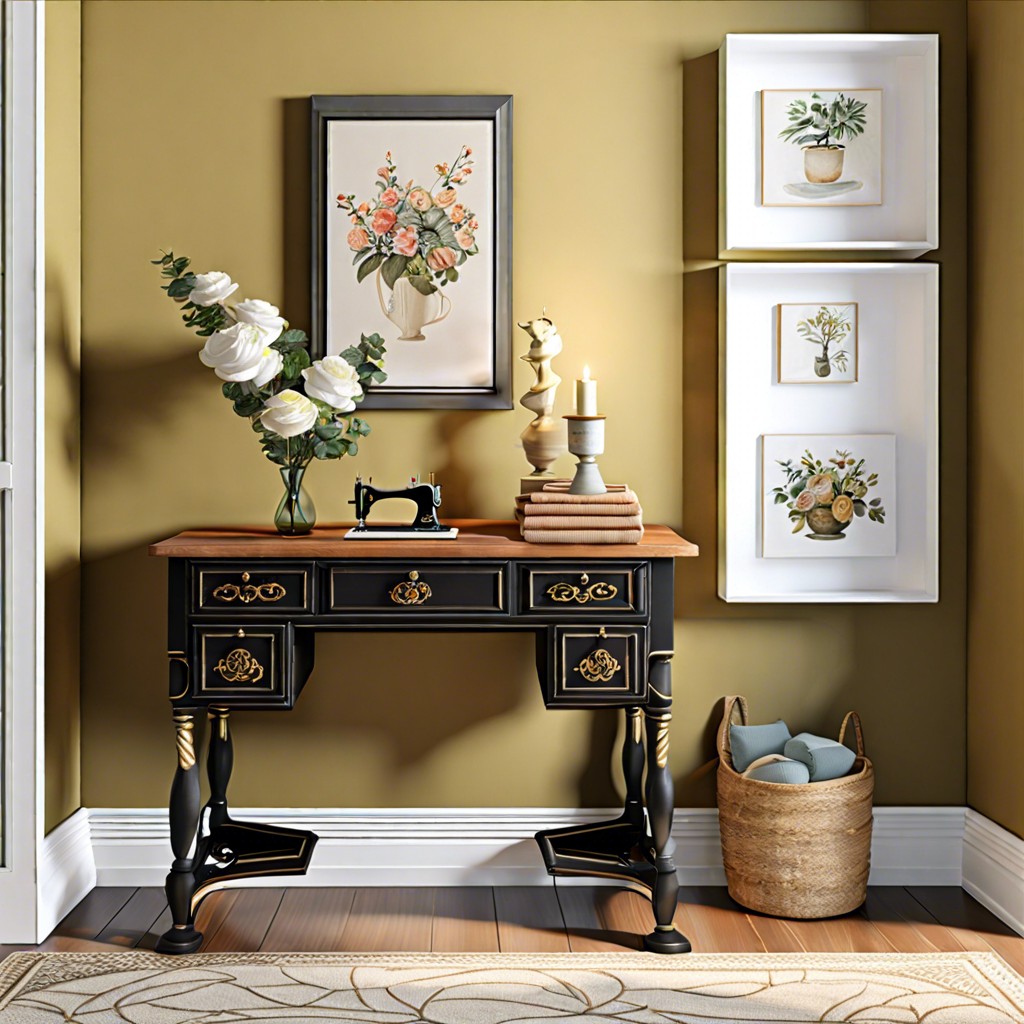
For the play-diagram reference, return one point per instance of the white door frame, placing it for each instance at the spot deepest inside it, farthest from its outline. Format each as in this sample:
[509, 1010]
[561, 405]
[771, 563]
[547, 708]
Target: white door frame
[23, 751]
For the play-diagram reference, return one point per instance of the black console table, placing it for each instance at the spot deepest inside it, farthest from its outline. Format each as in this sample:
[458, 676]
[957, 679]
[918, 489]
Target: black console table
[244, 608]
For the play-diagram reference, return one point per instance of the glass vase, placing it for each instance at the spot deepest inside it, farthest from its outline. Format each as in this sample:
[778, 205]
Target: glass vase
[296, 514]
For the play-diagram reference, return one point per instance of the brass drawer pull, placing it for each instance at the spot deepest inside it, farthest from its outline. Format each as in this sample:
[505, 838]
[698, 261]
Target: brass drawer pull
[268, 593]
[410, 591]
[567, 592]
[598, 667]
[239, 666]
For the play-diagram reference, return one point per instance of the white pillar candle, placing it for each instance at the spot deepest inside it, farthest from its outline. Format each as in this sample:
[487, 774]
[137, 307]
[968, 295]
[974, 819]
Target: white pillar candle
[586, 394]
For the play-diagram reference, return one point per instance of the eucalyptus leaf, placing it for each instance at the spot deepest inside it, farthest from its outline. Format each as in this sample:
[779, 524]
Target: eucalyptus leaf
[369, 265]
[394, 267]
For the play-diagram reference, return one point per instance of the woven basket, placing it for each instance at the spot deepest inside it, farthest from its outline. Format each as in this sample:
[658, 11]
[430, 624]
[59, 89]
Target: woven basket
[791, 850]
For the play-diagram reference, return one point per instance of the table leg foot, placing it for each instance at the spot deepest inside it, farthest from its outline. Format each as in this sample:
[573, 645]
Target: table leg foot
[669, 941]
[179, 940]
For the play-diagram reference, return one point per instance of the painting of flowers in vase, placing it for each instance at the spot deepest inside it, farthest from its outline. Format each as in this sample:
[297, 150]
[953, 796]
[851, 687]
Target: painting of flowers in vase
[828, 495]
[414, 228]
[816, 343]
[821, 147]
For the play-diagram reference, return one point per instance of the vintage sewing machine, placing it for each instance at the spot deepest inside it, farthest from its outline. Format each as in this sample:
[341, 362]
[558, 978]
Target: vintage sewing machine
[425, 524]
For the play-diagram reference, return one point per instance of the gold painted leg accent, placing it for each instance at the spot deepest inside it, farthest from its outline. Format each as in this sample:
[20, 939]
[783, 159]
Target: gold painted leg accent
[661, 744]
[184, 725]
[219, 717]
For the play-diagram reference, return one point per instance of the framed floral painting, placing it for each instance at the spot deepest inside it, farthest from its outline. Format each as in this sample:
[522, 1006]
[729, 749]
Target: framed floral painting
[828, 495]
[412, 239]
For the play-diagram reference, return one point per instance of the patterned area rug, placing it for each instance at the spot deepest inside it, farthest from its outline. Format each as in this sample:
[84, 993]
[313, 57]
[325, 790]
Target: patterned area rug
[403, 988]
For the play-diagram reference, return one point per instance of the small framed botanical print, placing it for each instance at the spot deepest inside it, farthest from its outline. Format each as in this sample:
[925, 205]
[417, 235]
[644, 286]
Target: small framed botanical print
[816, 343]
[821, 147]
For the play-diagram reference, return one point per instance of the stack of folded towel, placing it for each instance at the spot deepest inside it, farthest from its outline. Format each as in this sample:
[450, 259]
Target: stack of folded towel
[554, 516]
[768, 753]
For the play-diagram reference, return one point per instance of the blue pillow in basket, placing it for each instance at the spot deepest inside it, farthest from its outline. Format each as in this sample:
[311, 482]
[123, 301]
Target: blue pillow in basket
[778, 769]
[825, 758]
[749, 742]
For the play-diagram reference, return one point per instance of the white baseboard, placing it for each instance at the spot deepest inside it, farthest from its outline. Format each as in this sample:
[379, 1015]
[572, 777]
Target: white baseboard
[67, 870]
[994, 868]
[495, 846]
[917, 846]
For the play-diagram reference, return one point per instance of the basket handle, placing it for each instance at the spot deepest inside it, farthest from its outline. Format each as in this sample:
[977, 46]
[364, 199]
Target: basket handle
[735, 711]
[852, 716]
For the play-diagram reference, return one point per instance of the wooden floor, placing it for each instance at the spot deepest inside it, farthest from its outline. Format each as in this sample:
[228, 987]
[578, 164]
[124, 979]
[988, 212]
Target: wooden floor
[540, 919]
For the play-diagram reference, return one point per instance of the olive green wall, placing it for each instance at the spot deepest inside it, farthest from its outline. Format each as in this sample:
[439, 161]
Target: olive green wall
[63, 244]
[995, 784]
[195, 137]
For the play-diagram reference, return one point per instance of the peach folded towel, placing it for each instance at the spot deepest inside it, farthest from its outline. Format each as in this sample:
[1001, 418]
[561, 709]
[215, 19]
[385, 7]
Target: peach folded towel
[582, 522]
[543, 508]
[583, 536]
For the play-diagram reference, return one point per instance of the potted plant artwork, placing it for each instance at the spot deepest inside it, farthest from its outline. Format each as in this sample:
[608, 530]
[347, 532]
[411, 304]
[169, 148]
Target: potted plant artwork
[827, 329]
[413, 239]
[820, 126]
[828, 497]
[300, 409]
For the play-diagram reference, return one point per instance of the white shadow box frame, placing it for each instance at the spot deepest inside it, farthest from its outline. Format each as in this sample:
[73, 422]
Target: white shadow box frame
[896, 393]
[905, 68]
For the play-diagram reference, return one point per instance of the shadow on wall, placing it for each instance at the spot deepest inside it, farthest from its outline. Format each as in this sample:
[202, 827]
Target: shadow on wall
[63, 536]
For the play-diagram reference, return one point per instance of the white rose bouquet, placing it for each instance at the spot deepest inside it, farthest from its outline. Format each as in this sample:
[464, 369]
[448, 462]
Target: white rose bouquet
[301, 409]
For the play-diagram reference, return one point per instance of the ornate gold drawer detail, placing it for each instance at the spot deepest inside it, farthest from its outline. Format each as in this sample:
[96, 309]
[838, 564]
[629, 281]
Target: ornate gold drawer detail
[586, 589]
[408, 588]
[253, 589]
[243, 664]
[597, 665]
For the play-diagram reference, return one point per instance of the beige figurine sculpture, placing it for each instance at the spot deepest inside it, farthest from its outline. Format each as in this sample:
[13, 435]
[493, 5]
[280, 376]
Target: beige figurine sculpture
[544, 438]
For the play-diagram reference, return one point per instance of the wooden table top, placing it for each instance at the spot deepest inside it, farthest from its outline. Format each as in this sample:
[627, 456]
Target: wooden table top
[478, 538]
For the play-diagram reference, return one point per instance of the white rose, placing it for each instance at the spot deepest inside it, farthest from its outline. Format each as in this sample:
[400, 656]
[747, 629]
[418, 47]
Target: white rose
[289, 413]
[333, 381]
[269, 368]
[211, 288]
[261, 314]
[237, 352]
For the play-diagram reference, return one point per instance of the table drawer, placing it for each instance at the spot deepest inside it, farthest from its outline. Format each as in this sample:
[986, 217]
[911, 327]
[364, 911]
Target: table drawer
[571, 588]
[596, 665]
[236, 588]
[403, 588]
[242, 664]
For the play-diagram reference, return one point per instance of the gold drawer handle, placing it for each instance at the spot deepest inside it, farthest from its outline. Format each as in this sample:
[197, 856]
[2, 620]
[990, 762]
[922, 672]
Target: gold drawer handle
[268, 593]
[567, 592]
[239, 666]
[410, 591]
[598, 667]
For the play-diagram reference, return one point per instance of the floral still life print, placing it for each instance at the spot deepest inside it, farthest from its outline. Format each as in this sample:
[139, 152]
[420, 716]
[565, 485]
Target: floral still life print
[414, 238]
[411, 244]
[839, 505]
[817, 343]
[821, 147]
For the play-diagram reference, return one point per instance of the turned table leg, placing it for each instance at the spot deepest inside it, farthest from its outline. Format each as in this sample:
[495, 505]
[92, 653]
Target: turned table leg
[184, 819]
[633, 766]
[660, 798]
[219, 764]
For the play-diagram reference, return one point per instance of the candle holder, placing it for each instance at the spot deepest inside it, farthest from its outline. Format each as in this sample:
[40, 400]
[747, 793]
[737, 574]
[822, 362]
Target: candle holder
[586, 440]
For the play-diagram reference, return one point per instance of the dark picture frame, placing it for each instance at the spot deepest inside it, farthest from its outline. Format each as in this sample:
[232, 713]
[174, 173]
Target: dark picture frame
[497, 165]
